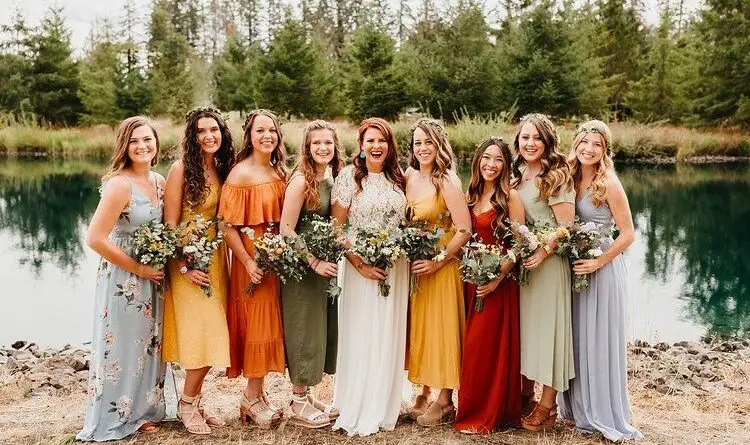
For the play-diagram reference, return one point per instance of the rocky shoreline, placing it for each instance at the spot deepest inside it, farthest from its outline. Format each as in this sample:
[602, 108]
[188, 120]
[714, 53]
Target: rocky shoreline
[681, 368]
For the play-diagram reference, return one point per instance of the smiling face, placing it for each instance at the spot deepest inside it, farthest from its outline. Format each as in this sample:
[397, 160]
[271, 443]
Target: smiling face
[208, 134]
[530, 143]
[591, 149]
[423, 147]
[142, 145]
[264, 136]
[375, 145]
[491, 164]
[322, 146]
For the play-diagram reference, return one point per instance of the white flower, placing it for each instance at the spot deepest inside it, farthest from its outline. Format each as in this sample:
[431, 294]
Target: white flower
[596, 253]
[190, 249]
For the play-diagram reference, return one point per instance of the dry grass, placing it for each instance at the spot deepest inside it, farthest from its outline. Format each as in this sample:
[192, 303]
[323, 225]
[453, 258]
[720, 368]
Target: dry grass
[719, 417]
[631, 140]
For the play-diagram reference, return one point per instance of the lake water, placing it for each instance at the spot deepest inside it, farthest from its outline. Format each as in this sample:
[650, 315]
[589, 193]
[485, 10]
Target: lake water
[689, 267]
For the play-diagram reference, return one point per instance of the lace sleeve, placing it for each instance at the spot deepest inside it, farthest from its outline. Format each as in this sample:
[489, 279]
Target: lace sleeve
[344, 188]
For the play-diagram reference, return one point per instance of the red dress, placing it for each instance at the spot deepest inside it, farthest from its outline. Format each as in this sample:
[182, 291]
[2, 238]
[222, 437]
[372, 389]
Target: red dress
[490, 395]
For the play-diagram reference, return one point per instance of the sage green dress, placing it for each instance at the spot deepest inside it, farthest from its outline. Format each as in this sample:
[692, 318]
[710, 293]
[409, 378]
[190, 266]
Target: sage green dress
[310, 318]
[545, 304]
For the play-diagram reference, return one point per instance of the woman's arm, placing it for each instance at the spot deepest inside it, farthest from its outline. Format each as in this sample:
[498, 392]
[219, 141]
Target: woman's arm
[456, 204]
[115, 198]
[618, 204]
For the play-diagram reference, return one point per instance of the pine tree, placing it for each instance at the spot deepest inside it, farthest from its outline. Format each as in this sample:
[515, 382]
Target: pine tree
[236, 71]
[295, 77]
[98, 77]
[373, 87]
[54, 74]
[133, 95]
[15, 66]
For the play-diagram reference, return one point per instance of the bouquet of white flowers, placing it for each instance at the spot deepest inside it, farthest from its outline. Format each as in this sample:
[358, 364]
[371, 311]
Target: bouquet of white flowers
[200, 238]
[325, 240]
[480, 265]
[154, 243]
[584, 243]
[380, 248]
[277, 254]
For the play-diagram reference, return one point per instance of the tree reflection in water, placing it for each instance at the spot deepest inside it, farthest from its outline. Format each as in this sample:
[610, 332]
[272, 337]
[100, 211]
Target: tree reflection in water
[44, 209]
[695, 223]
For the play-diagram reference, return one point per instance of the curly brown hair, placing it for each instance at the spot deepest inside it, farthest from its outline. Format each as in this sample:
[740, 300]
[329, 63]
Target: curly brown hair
[306, 164]
[196, 185]
[445, 160]
[278, 156]
[500, 198]
[555, 175]
[390, 166]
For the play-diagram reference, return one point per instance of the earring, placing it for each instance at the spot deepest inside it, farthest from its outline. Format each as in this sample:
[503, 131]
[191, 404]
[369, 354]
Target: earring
[362, 154]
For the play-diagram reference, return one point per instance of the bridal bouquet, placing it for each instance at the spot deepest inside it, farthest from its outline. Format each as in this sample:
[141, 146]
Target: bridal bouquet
[584, 243]
[200, 238]
[480, 265]
[524, 243]
[325, 240]
[380, 248]
[419, 240]
[154, 243]
[278, 254]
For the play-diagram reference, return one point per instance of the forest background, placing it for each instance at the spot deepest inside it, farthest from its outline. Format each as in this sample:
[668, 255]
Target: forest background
[466, 61]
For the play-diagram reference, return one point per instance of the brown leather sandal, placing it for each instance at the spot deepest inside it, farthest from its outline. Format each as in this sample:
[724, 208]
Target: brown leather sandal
[420, 406]
[527, 404]
[437, 414]
[541, 418]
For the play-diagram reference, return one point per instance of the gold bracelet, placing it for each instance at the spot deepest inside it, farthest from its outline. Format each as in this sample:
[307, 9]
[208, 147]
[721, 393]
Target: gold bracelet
[547, 249]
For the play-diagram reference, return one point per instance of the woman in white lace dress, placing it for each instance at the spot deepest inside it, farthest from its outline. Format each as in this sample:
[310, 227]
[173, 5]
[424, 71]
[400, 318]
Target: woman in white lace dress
[372, 328]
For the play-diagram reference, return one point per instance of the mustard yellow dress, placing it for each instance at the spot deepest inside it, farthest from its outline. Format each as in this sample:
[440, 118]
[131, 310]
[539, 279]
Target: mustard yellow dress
[437, 317]
[195, 325]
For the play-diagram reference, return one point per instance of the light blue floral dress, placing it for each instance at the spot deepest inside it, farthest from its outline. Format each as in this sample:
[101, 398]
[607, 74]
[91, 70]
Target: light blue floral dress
[126, 377]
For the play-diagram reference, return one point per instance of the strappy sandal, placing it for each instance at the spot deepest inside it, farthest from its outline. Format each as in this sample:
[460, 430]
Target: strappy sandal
[210, 420]
[437, 414]
[420, 406]
[541, 418]
[258, 414]
[308, 416]
[331, 411]
[527, 404]
[190, 415]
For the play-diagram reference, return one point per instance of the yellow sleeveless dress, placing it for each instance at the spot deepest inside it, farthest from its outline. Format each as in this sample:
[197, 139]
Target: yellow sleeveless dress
[437, 316]
[195, 325]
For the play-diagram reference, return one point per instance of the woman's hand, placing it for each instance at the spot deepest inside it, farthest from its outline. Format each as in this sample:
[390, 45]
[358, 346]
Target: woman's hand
[198, 277]
[372, 272]
[254, 271]
[583, 267]
[425, 267]
[326, 269]
[150, 273]
[486, 289]
[536, 259]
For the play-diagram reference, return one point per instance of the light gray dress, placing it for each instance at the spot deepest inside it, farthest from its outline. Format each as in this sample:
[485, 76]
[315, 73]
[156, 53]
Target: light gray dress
[598, 396]
[126, 377]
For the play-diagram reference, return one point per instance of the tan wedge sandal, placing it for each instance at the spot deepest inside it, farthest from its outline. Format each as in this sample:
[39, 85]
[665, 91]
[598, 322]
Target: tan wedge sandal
[541, 418]
[258, 414]
[305, 414]
[420, 406]
[437, 414]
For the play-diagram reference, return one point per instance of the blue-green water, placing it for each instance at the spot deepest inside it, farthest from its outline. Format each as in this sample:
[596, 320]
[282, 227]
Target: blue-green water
[689, 267]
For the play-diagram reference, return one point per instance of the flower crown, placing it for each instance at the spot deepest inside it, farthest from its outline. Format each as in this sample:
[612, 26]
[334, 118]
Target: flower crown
[199, 110]
[255, 112]
[594, 128]
[432, 123]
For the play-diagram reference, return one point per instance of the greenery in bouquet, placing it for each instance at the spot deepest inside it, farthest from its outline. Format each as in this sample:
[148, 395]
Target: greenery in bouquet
[480, 264]
[325, 240]
[420, 241]
[380, 248]
[200, 238]
[584, 243]
[278, 254]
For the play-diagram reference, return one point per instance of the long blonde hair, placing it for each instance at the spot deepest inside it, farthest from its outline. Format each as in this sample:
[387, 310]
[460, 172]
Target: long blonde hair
[555, 175]
[445, 160]
[606, 164]
[120, 159]
[278, 156]
[306, 163]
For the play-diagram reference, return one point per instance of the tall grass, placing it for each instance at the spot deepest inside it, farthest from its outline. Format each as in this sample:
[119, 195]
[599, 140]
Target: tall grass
[631, 141]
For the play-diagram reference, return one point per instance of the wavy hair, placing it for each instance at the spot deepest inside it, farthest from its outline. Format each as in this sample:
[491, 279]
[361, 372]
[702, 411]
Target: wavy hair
[500, 198]
[555, 175]
[278, 156]
[445, 160]
[605, 165]
[306, 163]
[196, 185]
[120, 158]
[390, 166]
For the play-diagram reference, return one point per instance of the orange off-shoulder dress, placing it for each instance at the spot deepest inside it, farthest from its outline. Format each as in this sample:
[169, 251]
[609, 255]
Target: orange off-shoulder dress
[256, 335]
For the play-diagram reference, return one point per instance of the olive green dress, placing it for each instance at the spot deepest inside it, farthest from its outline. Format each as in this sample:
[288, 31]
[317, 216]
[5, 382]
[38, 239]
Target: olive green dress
[545, 304]
[310, 319]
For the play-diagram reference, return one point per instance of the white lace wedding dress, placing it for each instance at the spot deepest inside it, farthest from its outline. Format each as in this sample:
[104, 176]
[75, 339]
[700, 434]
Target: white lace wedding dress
[372, 329]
